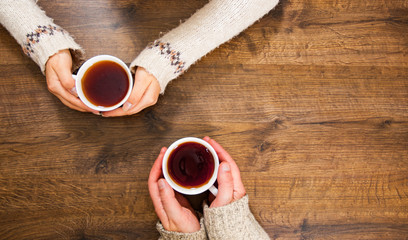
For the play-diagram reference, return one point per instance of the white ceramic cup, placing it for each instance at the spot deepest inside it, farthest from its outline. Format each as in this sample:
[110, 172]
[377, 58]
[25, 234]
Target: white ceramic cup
[191, 191]
[82, 70]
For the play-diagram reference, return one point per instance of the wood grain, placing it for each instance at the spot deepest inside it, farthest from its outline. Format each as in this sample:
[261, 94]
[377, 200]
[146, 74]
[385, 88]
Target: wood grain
[311, 101]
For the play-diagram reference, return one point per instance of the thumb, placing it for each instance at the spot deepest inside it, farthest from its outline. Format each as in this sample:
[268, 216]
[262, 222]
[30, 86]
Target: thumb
[225, 186]
[170, 204]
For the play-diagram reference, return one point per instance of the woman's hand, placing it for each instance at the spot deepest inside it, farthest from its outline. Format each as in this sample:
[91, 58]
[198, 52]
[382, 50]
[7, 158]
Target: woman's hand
[230, 187]
[145, 93]
[173, 210]
[61, 83]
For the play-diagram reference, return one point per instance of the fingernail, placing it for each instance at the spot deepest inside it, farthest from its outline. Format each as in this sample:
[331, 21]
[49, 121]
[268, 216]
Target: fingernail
[226, 167]
[97, 113]
[74, 91]
[161, 184]
[127, 106]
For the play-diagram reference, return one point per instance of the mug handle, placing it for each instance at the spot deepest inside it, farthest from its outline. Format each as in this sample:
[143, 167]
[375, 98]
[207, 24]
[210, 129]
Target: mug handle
[213, 190]
[74, 90]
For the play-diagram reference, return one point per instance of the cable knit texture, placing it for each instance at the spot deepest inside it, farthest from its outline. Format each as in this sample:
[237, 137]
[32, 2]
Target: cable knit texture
[212, 25]
[231, 222]
[37, 34]
[165, 235]
[234, 221]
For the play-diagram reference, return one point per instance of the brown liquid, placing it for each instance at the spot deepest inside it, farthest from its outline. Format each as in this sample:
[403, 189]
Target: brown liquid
[105, 83]
[190, 165]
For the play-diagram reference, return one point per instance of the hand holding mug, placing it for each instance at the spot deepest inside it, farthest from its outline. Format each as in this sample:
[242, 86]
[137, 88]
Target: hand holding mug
[62, 84]
[173, 210]
[230, 187]
[60, 81]
[144, 94]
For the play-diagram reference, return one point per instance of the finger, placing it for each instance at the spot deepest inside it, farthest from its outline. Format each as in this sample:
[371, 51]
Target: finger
[68, 82]
[68, 104]
[63, 70]
[71, 101]
[142, 82]
[155, 174]
[170, 204]
[156, 171]
[149, 98]
[239, 189]
[61, 64]
[224, 155]
[225, 186]
[55, 87]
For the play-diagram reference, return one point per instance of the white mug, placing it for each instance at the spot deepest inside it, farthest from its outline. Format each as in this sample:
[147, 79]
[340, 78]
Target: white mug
[83, 69]
[194, 190]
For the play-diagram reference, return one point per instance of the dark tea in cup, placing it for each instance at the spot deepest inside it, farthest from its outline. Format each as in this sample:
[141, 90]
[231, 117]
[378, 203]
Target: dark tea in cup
[105, 83]
[190, 165]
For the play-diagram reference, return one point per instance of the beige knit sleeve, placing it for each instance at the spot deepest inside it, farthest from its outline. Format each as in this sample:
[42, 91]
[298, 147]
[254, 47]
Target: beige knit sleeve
[169, 235]
[233, 221]
[37, 34]
[215, 23]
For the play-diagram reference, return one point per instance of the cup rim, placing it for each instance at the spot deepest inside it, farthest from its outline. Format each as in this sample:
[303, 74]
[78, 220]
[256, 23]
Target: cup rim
[190, 191]
[88, 63]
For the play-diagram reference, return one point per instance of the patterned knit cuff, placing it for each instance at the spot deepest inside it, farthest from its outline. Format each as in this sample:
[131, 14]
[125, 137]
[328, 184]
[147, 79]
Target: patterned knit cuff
[161, 60]
[47, 40]
[199, 235]
[233, 221]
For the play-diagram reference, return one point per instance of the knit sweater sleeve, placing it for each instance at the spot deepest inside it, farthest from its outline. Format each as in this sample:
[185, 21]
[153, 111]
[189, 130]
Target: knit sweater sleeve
[233, 221]
[215, 23]
[169, 235]
[37, 34]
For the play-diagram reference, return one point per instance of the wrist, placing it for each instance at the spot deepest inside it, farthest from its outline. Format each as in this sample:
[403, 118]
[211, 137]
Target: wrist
[199, 234]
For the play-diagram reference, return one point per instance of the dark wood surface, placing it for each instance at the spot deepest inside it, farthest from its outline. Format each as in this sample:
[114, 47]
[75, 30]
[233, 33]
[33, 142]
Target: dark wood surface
[311, 102]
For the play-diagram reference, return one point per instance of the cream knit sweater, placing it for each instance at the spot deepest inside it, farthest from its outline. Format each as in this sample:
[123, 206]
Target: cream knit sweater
[231, 222]
[37, 34]
[166, 58]
[214, 24]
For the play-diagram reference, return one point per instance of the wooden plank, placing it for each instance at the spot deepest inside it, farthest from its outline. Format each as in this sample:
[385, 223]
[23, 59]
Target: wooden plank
[311, 101]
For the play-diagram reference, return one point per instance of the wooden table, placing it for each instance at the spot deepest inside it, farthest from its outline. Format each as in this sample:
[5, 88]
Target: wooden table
[311, 102]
